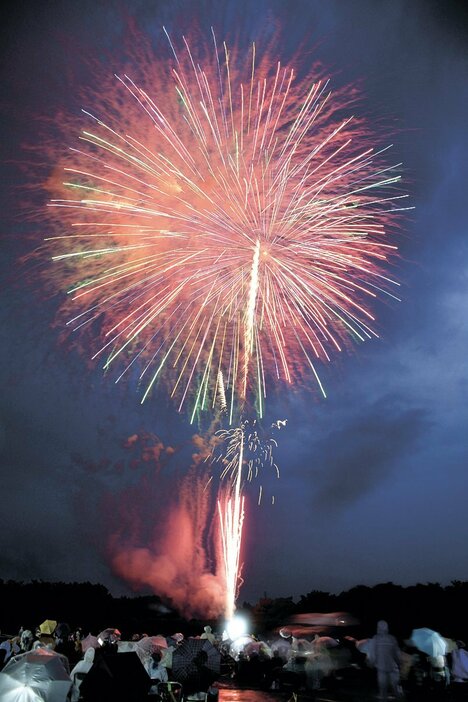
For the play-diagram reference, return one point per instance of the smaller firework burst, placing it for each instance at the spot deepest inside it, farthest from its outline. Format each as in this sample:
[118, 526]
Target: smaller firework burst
[245, 450]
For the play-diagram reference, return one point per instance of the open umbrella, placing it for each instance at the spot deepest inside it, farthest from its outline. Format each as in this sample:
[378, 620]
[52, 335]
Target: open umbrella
[126, 646]
[119, 677]
[37, 674]
[89, 641]
[239, 645]
[112, 635]
[428, 641]
[13, 691]
[158, 640]
[48, 626]
[196, 663]
[149, 644]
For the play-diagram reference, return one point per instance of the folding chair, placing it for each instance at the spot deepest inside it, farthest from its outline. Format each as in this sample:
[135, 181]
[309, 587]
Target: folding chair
[170, 691]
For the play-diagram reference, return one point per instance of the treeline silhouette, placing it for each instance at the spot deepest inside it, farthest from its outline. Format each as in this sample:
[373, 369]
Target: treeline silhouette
[93, 608]
[442, 608]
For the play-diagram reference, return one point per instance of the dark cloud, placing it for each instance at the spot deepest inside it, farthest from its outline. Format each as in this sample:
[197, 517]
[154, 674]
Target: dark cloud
[352, 460]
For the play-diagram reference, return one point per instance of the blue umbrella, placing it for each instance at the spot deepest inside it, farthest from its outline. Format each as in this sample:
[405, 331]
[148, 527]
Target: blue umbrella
[429, 642]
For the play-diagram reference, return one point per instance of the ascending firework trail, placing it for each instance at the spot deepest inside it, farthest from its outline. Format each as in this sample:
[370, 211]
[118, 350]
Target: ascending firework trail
[221, 223]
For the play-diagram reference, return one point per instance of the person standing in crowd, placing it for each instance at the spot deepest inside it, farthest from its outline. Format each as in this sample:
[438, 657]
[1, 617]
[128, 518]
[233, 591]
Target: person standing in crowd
[156, 670]
[384, 655]
[208, 634]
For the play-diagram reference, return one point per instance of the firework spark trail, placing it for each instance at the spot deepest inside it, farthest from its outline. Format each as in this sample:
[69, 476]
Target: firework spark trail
[235, 223]
[231, 520]
[246, 453]
[221, 393]
[250, 315]
[231, 514]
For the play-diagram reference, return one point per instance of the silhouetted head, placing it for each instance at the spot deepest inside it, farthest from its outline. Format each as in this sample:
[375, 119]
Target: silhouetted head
[156, 655]
[382, 627]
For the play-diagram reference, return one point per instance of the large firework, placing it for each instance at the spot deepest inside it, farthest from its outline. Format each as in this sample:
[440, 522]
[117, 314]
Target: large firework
[222, 220]
[222, 228]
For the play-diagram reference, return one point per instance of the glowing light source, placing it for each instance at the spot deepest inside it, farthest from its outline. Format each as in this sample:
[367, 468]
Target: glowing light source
[237, 627]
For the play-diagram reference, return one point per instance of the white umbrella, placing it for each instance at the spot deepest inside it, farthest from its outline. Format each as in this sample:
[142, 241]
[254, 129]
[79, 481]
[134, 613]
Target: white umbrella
[13, 691]
[239, 645]
[35, 675]
[126, 646]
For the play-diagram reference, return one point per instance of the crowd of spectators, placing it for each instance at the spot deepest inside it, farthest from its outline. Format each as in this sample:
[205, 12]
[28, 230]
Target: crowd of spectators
[279, 662]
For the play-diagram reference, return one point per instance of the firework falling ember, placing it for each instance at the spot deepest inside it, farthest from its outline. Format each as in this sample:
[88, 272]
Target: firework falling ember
[222, 219]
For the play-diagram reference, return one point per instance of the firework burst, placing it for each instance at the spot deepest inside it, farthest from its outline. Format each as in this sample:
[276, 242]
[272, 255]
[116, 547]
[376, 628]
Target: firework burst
[222, 224]
[243, 452]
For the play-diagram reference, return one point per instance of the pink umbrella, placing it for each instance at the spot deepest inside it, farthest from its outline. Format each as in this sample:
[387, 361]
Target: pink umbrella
[160, 641]
[151, 643]
[89, 641]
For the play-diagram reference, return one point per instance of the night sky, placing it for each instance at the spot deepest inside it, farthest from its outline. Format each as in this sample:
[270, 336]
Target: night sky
[374, 479]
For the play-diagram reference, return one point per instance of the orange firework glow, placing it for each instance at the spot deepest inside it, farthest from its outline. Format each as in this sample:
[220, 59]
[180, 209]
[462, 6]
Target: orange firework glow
[221, 218]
